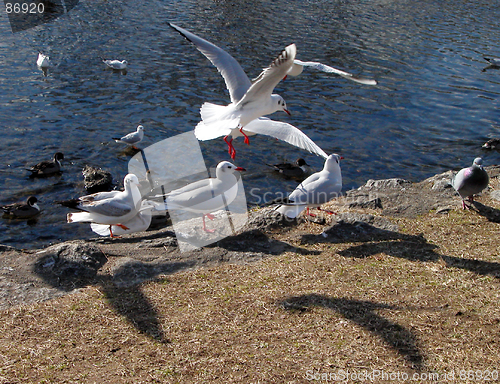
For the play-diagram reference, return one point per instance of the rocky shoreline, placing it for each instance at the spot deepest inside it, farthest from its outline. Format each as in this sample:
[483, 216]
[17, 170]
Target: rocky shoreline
[368, 212]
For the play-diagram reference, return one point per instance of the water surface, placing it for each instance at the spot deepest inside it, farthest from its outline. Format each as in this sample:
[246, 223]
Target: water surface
[432, 110]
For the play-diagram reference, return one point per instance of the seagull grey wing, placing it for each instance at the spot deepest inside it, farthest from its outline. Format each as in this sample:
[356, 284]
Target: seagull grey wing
[237, 82]
[272, 75]
[285, 132]
[109, 207]
[98, 196]
[325, 68]
[131, 138]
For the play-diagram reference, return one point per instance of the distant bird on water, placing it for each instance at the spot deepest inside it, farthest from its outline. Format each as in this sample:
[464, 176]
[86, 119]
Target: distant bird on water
[296, 170]
[47, 167]
[492, 144]
[22, 210]
[43, 61]
[131, 138]
[116, 64]
[470, 181]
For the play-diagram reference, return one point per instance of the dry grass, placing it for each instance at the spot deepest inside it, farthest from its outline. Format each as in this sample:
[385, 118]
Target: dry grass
[414, 305]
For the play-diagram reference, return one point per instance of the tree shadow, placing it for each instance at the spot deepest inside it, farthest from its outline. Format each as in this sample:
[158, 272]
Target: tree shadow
[363, 313]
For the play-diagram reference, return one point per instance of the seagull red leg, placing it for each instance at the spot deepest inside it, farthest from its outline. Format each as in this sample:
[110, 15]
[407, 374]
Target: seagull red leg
[211, 217]
[247, 140]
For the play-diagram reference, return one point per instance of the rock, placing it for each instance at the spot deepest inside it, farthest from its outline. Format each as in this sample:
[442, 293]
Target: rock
[386, 184]
[366, 203]
[74, 263]
[97, 180]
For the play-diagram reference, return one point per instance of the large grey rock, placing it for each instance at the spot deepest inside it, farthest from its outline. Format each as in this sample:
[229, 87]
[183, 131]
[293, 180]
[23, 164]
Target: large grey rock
[71, 263]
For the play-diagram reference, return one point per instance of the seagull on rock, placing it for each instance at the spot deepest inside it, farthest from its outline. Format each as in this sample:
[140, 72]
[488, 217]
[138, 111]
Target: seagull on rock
[317, 189]
[470, 181]
[132, 138]
[207, 195]
[108, 208]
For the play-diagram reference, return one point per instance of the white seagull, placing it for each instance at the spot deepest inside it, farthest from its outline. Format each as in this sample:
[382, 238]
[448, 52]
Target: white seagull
[140, 222]
[317, 189]
[249, 100]
[109, 208]
[132, 138]
[298, 67]
[115, 64]
[43, 61]
[207, 195]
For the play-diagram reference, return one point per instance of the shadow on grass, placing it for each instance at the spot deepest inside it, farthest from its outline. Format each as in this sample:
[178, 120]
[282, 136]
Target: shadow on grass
[364, 314]
[415, 248]
[122, 288]
[492, 214]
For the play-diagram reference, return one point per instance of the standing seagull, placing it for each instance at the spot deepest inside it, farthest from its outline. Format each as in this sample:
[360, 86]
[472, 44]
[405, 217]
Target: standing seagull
[132, 138]
[109, 208]
[298, 67]
[207, 195]
[249, 100]
[22, 210]
[46, 167]
[317, 189]
[470, 181]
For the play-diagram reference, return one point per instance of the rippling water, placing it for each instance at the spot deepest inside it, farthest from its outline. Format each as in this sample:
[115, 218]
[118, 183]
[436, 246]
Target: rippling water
[433, 108]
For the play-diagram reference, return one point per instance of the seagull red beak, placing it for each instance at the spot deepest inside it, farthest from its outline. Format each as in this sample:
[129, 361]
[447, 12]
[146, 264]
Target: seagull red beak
[285, 77]
[288, 112]
[239, 169]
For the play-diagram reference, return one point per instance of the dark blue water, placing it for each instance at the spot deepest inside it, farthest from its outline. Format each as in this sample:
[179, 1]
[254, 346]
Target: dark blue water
[432, 110]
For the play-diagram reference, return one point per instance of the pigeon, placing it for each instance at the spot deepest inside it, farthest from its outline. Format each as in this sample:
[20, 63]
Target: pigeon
[299, 169]
[47, 167]
[132, 138]
[470, 181]
[22, 210]
[116, 64]
[207, 195]
[108, 208]
[249, 100]
[298, 67]
[316, 190]
[42, 60]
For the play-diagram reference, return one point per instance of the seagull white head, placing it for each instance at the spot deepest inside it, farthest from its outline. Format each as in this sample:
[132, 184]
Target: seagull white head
[332, 162]
[140, 128]
[279, 104]
[130, 180]
[226, 168]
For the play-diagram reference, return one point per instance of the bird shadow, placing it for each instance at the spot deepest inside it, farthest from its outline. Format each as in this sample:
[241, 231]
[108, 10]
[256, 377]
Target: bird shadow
[122, 290]
[364, 314]
[490, 213]
[411, 247]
